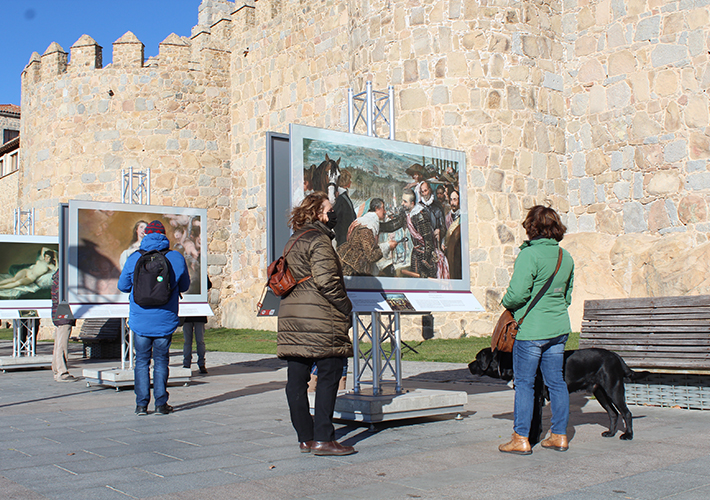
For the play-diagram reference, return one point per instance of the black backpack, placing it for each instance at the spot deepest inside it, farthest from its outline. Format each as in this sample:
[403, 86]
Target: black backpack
[151, 279]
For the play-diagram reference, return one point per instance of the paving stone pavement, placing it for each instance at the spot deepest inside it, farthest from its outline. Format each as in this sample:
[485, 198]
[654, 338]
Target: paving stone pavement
[231, 438]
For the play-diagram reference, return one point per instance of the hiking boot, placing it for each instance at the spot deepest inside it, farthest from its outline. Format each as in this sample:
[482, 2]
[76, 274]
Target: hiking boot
[141, 410]
[557, 442]
[518, 445]
[203, 370]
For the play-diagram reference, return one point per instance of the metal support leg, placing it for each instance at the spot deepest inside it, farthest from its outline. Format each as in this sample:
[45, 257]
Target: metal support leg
[398, 357]
[356, 354]
[127, 355]
[383, 327]
[376, 355]
[26, 347]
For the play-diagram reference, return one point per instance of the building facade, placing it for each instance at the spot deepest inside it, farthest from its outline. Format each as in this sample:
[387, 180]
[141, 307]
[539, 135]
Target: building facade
[597, 107]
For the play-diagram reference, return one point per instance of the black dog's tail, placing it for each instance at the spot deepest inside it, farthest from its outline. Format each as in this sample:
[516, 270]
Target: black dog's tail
[630, 374]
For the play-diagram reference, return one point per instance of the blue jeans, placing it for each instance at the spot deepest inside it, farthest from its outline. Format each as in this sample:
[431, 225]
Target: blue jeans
[159, 349]
[548, 354]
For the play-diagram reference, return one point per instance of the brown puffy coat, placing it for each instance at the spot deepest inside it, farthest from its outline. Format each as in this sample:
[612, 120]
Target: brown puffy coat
[315, 317]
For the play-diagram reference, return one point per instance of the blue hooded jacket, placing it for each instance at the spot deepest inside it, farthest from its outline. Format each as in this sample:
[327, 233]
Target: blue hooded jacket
[158, 321]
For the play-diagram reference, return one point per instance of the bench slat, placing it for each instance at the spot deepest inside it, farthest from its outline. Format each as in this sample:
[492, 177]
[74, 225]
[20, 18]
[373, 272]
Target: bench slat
[699, 319]
[704, 311]
[650, 337]
[698, 353]
[683, 301]
[644, 329]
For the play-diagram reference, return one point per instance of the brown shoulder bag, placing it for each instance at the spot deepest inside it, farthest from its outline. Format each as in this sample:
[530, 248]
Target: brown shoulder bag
[507, 328]
[279, 277]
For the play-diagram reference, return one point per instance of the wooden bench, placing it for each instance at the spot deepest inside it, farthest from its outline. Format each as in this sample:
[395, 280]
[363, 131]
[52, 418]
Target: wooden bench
[668, 336]
[101, 338]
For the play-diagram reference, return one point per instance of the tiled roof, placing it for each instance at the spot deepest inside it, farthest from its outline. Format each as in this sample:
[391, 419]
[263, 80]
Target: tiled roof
[10, 146]
[10, 108]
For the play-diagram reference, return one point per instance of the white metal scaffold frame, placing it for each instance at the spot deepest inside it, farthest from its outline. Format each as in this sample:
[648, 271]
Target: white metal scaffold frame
[383, 327]
[137, 193]
[370, 106]
[24, 223]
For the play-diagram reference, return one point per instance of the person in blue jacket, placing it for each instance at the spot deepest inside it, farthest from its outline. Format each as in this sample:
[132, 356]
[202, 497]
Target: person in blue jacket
[153, 327]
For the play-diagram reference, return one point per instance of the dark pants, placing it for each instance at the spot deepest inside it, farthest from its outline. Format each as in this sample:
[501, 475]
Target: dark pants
[320, 427]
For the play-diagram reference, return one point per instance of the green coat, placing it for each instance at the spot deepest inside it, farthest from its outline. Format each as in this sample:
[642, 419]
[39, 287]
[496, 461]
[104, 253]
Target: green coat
[533, 267]
[314, 318]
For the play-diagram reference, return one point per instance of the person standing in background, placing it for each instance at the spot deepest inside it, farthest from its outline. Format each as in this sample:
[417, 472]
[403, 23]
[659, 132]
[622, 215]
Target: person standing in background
[154, 326]
[540, 342]
[314, 319]
[61, 337]
[195, 325]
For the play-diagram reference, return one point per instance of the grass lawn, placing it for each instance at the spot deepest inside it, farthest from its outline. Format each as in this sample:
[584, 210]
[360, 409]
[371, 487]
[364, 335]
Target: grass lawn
[264, 342]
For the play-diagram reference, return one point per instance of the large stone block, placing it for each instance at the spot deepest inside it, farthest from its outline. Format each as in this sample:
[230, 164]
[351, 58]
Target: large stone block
[634, 217]
[648, 29]
[413, 98]
[692, 209]
[622, 62]
[675, 151]
[591, 71]
[696, 112]
[699, 146]
[664, 54]
[666, 83]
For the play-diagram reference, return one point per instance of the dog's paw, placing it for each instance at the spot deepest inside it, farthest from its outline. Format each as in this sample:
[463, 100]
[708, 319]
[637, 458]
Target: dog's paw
[626, 436]
[608, 434]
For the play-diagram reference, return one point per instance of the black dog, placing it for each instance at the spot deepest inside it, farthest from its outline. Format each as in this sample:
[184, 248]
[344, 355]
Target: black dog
[598, 371]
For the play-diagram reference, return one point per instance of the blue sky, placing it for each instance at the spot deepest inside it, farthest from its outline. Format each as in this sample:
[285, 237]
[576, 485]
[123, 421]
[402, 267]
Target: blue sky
[31, 25]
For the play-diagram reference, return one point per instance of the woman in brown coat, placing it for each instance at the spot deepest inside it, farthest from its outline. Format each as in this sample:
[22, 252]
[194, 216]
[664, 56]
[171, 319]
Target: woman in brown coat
[313, 324]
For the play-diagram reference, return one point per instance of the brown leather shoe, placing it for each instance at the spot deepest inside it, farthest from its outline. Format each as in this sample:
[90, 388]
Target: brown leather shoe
[556, 442]
[518, 445]
[305, 446]
[331, 448]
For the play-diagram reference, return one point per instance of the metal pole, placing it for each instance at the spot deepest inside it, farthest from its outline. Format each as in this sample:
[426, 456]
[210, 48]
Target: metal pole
[148, 185]
[398, 354]
[391, 111]
[123, 343]
[368, 90]
[130, 185]
[351, 125]
[356, 354]
[376, 354]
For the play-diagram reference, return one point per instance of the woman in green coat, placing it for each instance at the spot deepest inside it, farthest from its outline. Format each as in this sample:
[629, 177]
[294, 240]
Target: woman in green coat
[540, 341]
[314, 319]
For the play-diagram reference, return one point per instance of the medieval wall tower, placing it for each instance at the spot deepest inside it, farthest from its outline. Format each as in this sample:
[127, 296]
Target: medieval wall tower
[600, 107]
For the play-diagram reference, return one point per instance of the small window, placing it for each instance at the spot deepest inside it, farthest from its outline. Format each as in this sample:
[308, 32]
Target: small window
[8, 135]
[14, 162]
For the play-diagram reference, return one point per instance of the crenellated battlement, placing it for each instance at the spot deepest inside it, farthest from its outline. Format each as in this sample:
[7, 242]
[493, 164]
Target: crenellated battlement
[129, 52]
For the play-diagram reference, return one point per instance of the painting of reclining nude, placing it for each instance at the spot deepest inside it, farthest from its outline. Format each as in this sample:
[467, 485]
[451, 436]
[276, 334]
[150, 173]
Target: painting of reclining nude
[400, 207]
[27, 264]
[103, 235]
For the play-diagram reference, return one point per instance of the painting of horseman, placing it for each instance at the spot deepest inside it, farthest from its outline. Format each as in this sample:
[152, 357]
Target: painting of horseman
[374, 233]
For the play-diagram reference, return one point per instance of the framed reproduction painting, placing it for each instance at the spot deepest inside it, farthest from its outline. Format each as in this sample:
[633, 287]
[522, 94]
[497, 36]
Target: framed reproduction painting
[401, 208]
[101, 236]
[27, 264]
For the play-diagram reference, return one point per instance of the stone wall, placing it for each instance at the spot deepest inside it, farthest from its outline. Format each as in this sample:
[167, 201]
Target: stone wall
[83, 123]
[598, 107]
[485, 80]
[636, 84]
